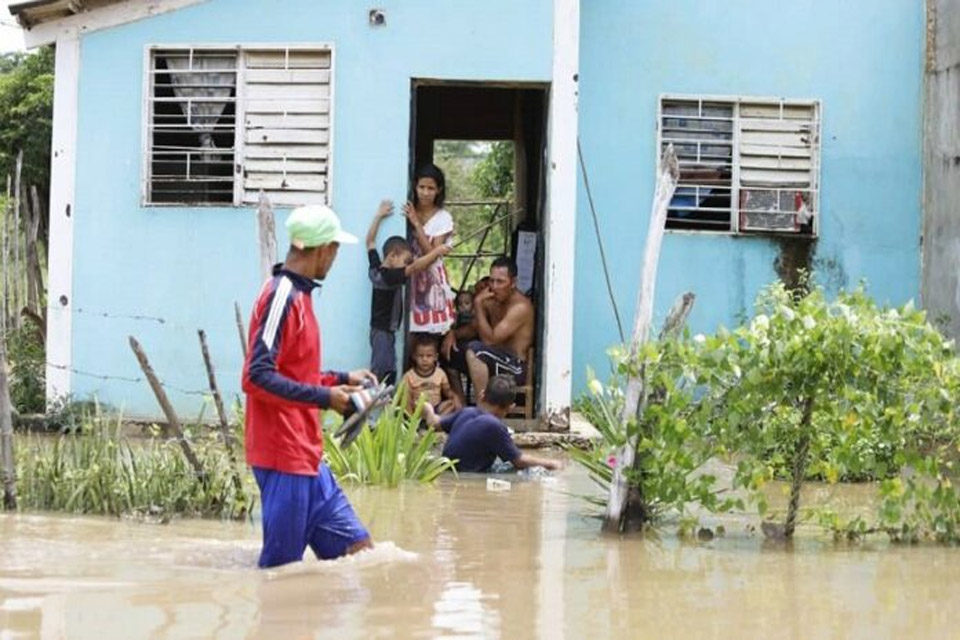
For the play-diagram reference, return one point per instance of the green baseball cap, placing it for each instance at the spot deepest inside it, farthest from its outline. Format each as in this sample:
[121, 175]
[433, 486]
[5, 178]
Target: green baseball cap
[315, 225]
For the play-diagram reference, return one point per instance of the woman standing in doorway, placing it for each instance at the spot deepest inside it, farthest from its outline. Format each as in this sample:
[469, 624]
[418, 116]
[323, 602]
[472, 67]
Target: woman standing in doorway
[432, 309]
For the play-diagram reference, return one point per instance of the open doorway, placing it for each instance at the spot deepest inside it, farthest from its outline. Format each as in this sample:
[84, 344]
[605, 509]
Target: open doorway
[489, 139]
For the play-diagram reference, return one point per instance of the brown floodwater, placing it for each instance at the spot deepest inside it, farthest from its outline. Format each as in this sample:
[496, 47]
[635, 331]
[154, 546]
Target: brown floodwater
[455, 560]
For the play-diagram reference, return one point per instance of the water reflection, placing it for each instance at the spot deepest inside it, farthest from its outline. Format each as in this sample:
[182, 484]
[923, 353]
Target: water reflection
[457, 561]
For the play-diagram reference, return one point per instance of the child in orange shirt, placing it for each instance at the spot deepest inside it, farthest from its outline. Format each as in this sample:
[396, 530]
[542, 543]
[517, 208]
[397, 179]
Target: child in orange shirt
[426, 378]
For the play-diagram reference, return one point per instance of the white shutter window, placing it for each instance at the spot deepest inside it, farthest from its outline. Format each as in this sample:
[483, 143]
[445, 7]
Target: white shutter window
[286, 126]
[778, 154]
[746, 164]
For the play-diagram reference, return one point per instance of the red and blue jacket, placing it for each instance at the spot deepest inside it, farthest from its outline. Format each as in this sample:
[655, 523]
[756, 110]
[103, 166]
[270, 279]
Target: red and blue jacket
[282, 379]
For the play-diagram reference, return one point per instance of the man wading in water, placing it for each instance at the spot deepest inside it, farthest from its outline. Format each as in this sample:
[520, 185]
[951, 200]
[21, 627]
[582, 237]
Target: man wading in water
[301, 501]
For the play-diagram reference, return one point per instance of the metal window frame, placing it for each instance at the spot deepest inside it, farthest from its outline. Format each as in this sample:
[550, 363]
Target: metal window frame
[147, 100]
[736, 101]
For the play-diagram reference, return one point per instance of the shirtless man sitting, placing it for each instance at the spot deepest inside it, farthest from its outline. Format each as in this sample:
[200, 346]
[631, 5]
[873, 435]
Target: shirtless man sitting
[504, 321]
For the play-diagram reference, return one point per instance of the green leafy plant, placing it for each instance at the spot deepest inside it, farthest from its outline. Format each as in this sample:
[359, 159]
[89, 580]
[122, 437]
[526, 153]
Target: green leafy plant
[668, 468]
[25, 351]
[389, 453]
[833, 389]
[98, 470]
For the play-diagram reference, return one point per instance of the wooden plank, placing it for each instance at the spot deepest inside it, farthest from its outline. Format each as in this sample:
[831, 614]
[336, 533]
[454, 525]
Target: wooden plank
[290, 182]
[279, 59]
[764, 124]
[288, 76]
[287, 121]
[290, 152]
[286, 136]
[288, 198]
[285, 166]
[314, 92]
[773, 162]
[775, 138]
[773, 178]
[284, 104]
[775, 151]
[772, 110]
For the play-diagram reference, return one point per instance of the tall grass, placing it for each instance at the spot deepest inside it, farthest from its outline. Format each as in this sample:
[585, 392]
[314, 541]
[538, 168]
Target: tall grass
[391, 452]
[99, 471]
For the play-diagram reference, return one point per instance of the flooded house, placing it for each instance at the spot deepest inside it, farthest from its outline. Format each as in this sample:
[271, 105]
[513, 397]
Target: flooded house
[798, 128]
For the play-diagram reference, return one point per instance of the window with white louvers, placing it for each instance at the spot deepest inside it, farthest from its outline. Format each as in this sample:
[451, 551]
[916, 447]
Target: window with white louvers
[225, 124]
[746, 164]
[286, 107]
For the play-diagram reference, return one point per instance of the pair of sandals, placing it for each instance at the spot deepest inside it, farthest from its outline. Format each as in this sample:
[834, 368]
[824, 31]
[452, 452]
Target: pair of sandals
[367, 404]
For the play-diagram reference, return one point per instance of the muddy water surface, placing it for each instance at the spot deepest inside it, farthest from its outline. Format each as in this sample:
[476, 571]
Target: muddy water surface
[458, 561]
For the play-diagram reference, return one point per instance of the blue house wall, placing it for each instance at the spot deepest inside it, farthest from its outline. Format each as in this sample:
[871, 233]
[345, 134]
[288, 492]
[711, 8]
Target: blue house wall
[160, 273]
[863, 60]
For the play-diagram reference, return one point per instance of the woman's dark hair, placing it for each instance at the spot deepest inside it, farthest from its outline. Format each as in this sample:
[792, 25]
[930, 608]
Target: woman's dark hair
[430, 170]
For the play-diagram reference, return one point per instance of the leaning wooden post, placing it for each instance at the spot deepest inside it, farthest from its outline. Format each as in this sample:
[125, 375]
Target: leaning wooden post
[172, 419]
[240, 329]
[666, 186]
[266, 232]
[5, 278]
[6, 434]
[228, 439]
[215, 390]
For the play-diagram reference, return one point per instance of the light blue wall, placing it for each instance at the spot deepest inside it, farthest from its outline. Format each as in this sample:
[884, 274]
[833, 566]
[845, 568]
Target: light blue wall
[189, 265]
[862, 58]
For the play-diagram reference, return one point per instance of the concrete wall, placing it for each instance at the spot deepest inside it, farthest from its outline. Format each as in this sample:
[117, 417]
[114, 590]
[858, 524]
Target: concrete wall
[862, 59]
[941, 139]
[187, 266]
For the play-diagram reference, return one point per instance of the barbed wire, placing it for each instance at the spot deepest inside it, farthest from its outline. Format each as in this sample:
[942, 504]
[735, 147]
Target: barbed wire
[128, 379]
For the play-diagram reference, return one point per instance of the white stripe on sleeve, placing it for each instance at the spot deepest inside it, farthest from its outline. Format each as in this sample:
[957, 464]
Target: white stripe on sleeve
[276, 311]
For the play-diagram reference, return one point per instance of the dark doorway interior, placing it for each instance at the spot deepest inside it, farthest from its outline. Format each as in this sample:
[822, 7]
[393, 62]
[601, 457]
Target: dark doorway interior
[493, 112]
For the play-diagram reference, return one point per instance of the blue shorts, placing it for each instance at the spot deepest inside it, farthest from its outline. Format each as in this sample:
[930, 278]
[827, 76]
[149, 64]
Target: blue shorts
[304, 510]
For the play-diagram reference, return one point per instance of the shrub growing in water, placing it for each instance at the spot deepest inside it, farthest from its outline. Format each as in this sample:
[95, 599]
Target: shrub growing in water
[392, 451]
[836, 389]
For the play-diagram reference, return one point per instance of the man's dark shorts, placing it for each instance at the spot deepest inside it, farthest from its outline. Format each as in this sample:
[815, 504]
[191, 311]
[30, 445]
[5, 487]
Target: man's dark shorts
[499, 361]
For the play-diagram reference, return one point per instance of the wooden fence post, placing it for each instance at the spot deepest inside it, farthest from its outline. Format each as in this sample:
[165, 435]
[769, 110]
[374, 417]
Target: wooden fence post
[666, 186]
[240, 329]
[267, 235]
[228, 439]
[16, 298]
[35, 287]
[7, 459]
[172, 420]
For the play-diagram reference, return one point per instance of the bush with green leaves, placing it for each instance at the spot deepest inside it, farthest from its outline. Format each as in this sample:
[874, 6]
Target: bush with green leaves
[671, 452]
[25, 352]
[835, 389]
[391, 451]
[98, 470]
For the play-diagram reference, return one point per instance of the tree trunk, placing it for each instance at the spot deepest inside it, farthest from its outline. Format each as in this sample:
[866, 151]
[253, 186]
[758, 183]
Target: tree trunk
[799, 470]
[666, 185]
[15, 290]
[5, 278]
[6, 434]
[267, 234]
[35, 295]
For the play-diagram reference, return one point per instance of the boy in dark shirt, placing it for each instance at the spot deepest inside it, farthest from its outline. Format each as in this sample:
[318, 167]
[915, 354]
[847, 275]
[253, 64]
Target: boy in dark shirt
[477, 435]
[388, 278]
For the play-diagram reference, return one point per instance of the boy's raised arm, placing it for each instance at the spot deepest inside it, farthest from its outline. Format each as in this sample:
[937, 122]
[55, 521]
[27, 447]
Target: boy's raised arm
[384, 210]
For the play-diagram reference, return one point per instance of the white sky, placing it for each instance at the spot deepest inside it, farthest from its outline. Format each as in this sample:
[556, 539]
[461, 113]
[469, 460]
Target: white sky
[11, 36]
